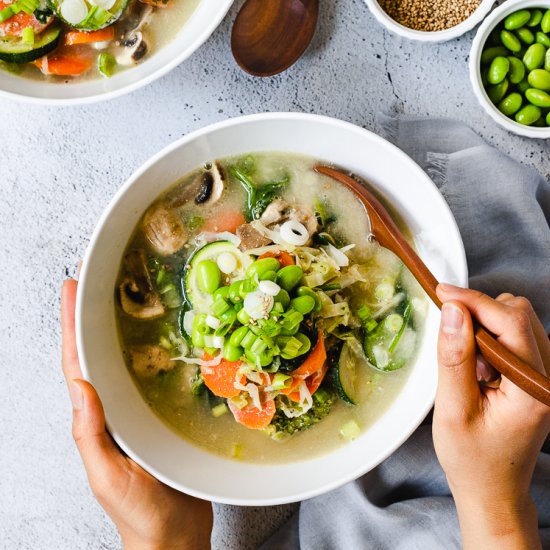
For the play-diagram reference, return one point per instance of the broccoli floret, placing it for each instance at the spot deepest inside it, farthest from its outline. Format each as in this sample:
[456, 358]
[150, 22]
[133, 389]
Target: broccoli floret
[281, 426]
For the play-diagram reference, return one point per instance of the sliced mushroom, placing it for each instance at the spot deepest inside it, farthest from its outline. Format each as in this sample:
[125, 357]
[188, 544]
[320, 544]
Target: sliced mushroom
[134, 18]
[206, 189]
[137, 295]
[132, 48]
[150, 360]
[164, 229]
[250, 237]
[280, 211]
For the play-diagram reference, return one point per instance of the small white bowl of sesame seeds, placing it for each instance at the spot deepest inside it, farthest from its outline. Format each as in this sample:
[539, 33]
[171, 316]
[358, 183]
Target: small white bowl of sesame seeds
[430, 20]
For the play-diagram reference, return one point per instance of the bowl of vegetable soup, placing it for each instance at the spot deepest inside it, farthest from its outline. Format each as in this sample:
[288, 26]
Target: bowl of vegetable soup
[240, 322]
[80, 51]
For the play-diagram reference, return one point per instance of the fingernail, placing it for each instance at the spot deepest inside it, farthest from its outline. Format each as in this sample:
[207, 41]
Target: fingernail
[451, 318]
[76, 395]
[448, 287]
[484, 371]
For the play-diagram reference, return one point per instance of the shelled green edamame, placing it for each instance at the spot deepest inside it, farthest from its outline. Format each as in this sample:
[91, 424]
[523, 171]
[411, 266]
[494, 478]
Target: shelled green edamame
[515, 67]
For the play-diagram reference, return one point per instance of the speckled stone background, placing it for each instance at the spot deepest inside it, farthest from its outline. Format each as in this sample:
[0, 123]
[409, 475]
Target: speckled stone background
[60, 167]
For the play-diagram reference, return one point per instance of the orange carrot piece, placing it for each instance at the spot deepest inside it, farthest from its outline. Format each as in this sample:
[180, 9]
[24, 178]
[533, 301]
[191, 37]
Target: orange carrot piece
[77, 37]
[312, 382]
[252, 417]
[220, 379]
[15, 25]
[227, 220]
[63, 65]
[284, 257]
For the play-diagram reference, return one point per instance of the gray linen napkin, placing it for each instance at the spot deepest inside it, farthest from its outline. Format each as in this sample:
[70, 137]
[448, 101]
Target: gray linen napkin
[503, 211]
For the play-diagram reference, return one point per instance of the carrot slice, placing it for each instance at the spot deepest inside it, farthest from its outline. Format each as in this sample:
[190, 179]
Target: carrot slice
[77, 37]
[253, 418]
[284, 257]
[314, 363]
[220, 379]
[312, 383]
[63, 65]
[226, 220]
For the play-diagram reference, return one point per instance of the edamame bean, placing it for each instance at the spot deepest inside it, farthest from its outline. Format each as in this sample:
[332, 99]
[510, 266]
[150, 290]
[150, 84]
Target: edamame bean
[510, 41]
[543, 39]
[283, 298]
[497, 92]
[528, 114]
[209, 276]
[547, 61]
[545, 22]
[534, 57]
[540, 79]
[490, 53]
[289, 277]
[516, 73]
[525, 35]
[498, 70]
[548, 119]
[232, 353]
[235, 292]
[268, 276]
[222, 292]
[540, 123]
[537, 97]
[510, 104]
[259, 267]
[303, 304]
[305, 341]
[523, 86]
[237, 337]
[228, 317]
[536, 18]
[517, 19]
[306, 291]
[243, 317]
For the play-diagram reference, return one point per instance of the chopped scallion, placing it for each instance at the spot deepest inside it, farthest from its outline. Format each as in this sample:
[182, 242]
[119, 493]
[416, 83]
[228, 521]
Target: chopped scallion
[106, 64]
[219, 410]
[28, 35]
[350, 430]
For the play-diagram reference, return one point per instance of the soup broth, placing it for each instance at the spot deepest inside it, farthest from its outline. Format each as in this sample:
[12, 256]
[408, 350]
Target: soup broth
[366, 319]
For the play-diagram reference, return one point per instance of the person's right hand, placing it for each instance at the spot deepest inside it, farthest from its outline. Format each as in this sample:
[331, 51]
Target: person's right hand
[488, 439]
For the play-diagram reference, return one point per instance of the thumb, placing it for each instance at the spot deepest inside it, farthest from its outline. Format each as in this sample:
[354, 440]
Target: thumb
[457, 390]
[100, 455]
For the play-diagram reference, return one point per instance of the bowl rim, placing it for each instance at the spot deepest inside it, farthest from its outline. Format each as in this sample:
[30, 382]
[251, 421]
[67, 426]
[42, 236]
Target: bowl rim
[431, 36]
[461, 274]
[202, 37]
[475, 68]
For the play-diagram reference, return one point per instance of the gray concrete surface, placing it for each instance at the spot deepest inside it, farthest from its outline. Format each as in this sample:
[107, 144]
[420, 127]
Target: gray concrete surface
[60, 167]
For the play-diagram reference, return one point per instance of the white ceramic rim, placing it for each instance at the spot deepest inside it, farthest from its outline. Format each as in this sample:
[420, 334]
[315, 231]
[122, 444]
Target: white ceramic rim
[475, 72]
[431, 36]
[128, 88]
[461, 273]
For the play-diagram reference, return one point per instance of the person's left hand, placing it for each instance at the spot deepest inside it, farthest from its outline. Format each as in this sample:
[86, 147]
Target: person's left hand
[148, 514]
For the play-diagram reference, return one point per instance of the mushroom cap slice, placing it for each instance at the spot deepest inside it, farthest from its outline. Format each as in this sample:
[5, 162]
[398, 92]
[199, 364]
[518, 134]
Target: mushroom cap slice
[138, 304]
[164, 229]
[150, 360]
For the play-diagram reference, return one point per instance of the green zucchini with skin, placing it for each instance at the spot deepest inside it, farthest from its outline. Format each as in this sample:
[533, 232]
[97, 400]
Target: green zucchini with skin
[97, 17]
[14, 50]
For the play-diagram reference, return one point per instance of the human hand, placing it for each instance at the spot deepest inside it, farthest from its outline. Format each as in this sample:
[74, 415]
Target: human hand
[148, 514]
[488, 439]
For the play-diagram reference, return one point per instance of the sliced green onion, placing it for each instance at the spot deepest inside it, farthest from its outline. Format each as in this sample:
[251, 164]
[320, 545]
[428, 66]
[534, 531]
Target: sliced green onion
[219, 306]
[219, 410]
[393, 322]
[258, 346]
[28, 35]
[222, 330]
[106, 63]
[370, 325]
[236, 451]
[350, 430]
[248, 340]
[384, 291]
[291, 348]
[364, 313]
[281, 381]
[6, 13]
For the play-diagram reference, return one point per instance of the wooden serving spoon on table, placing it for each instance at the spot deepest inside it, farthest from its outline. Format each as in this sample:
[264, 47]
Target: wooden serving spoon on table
[270, 35]
[389, 236]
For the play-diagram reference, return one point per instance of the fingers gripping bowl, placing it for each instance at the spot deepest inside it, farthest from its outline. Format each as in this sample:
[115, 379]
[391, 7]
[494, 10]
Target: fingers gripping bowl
[149, 440]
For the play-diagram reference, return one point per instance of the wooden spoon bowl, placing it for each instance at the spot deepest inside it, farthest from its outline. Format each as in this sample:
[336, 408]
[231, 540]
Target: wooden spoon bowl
[389, 236]
[270, 35]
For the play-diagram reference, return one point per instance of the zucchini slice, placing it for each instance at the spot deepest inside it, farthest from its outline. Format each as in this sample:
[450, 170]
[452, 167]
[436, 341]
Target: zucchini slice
[345, 375]
[97, 17]
[14, 50]
[197, 298]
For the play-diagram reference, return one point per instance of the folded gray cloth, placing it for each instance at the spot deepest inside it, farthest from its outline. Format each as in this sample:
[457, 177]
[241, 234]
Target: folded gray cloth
[503, 211]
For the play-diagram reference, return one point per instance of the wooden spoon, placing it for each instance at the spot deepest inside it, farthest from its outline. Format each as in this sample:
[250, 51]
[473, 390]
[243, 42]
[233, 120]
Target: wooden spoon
[389, 236]
[270, 35]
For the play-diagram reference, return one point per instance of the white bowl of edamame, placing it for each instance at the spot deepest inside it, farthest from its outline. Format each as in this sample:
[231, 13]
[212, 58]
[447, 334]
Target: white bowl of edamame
[510, 67]
[426, 24]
